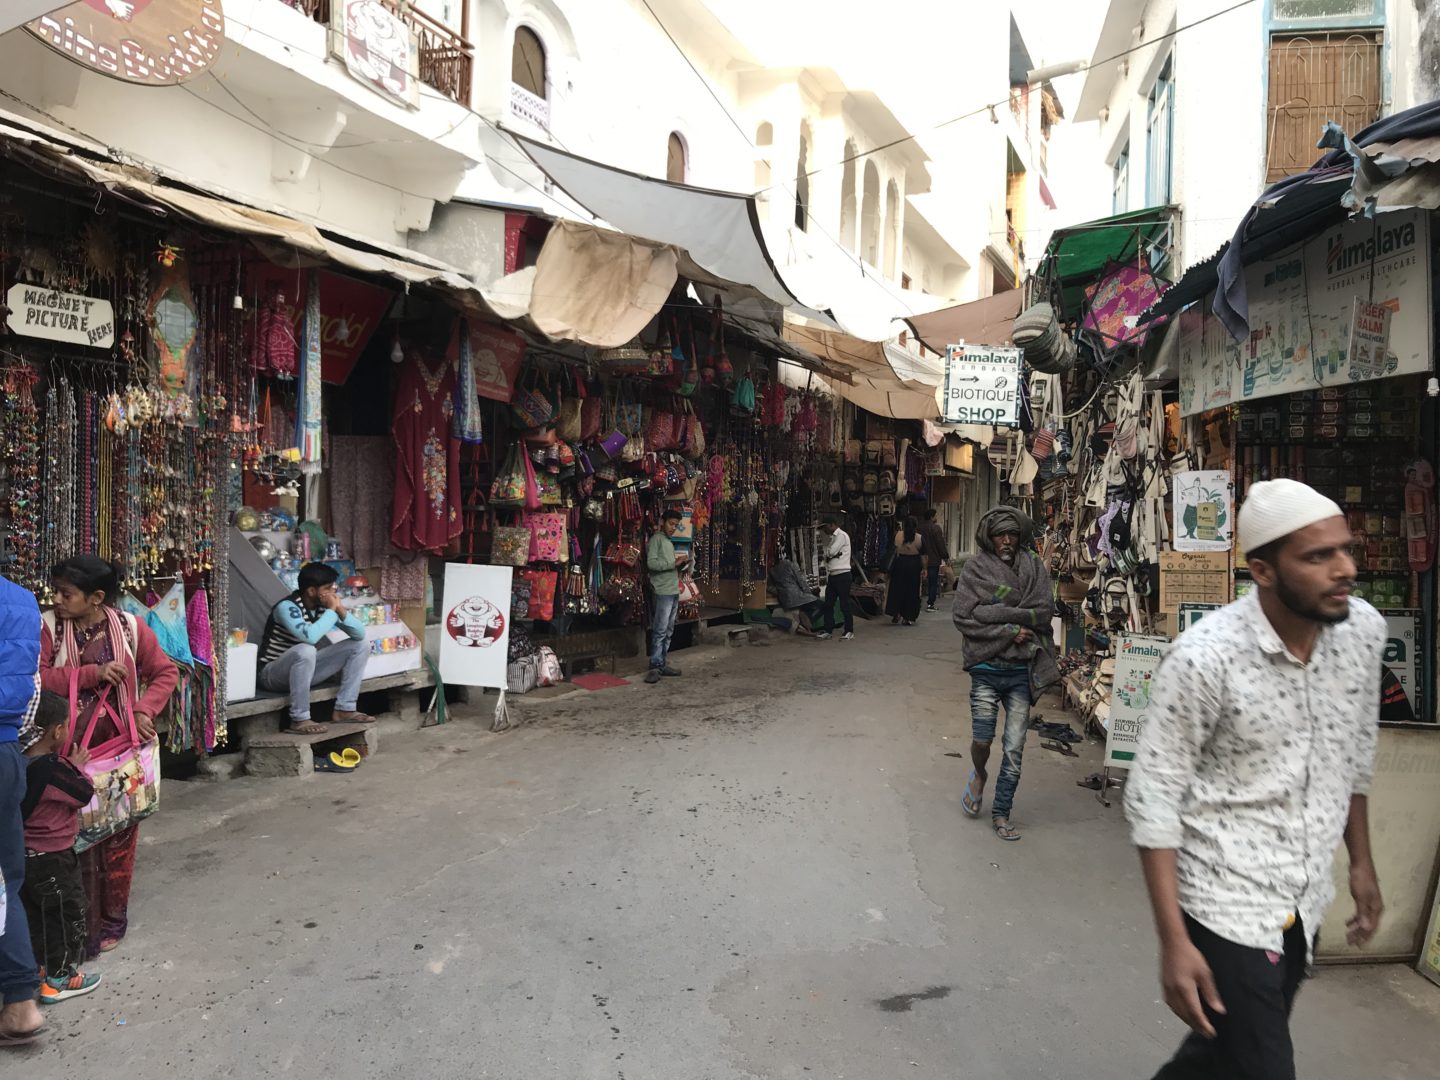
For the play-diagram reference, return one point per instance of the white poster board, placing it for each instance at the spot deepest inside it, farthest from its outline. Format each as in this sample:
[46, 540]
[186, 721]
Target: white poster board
[1136, 661]
[60, 316]
[982, 385]
[475, 627]
[1204, 511]
[1402, 660]
[1302, 315]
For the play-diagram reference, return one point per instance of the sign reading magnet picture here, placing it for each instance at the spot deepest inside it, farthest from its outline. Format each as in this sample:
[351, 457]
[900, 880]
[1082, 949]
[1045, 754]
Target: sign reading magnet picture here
[149, 42]
[982, 385]
[60, 316]
[475, 630]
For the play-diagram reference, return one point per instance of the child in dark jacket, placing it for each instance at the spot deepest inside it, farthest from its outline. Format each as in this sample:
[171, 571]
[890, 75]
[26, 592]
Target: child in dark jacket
[55, 791]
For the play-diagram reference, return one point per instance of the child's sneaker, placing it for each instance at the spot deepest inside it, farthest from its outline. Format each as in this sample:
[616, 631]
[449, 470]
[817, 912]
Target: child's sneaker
[76, 984]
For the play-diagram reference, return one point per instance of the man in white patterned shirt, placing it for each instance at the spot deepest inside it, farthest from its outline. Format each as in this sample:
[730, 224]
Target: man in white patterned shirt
[1254, 761]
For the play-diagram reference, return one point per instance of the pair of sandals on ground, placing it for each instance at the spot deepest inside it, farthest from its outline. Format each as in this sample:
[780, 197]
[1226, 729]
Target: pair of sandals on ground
[971, 802]
[310, 727]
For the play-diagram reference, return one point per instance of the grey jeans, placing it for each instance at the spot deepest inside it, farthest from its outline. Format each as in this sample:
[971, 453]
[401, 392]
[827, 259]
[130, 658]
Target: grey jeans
[302, 666]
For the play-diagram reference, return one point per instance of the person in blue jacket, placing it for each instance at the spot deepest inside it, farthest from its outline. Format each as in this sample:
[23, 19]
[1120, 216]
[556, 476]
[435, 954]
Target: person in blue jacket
[20, 1020]
[295, 653]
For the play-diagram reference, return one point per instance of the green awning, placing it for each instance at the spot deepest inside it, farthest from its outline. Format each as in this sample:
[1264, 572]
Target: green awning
[1076, 256]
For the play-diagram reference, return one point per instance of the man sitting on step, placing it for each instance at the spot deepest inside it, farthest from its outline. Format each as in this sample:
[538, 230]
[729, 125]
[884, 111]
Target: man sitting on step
[296, 653]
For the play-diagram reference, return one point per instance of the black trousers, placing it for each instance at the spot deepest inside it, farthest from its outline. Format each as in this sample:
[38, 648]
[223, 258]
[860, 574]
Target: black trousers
[1257, 988]
[837, 587]
[54, 898]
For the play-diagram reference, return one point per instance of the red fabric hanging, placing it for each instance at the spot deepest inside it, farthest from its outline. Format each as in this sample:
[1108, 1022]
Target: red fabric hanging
[426, 511]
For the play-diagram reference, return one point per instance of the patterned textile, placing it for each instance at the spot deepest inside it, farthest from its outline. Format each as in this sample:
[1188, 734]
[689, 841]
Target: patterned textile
[108, 868]
[1121, 294]
[403, 577]
[467, 399]
[1235, 721]
[362, 478]
[206, 733]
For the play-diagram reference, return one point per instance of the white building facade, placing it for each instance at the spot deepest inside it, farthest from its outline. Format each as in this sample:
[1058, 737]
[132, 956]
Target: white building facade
[1173, 128]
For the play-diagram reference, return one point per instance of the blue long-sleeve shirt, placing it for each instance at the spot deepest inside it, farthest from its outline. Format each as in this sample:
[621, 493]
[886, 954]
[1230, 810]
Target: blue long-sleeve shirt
[19, 658]
[291, 623]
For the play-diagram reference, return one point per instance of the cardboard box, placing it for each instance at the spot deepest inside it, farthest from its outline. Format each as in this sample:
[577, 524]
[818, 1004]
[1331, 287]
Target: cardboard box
[1194, 577]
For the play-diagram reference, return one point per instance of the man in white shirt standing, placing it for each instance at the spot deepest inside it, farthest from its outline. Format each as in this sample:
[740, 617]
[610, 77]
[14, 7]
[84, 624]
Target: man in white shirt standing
[1254, 761]
[839, 579]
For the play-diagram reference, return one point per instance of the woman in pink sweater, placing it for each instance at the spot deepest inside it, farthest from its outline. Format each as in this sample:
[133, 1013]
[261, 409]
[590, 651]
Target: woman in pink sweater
[86, 635]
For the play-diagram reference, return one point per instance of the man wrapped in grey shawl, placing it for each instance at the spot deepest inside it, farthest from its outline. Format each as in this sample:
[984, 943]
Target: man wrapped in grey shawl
[995, 600]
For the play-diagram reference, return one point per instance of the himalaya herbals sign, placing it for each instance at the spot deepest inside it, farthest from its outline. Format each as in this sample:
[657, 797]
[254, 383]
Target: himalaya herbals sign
[982, 385]
[1313, 317]
[59, 316]
[1136, 661]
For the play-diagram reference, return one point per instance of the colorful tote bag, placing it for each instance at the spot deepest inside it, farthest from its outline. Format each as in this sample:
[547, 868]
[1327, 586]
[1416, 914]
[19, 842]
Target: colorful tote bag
[542, 592]
[511, 545]
[125, 771]
[549, 537]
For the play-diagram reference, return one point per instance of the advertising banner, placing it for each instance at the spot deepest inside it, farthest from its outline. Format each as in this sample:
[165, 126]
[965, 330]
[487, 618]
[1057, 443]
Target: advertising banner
[1136, 661]
[982, 385]
[350, 312]
[58, 316]
[149, 42]
[496, 354]
[1314, 316]
[1204, 511]
[475, 630]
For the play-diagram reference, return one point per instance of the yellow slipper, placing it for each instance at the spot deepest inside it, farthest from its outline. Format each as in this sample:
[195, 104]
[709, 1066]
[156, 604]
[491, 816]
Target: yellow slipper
[338, 760]
[350, 756]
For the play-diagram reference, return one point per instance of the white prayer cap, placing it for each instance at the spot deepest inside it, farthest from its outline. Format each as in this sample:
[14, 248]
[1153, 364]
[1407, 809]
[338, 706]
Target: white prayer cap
[1277, 508]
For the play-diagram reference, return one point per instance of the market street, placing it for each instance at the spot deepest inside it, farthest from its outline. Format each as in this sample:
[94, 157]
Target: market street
[757, 870]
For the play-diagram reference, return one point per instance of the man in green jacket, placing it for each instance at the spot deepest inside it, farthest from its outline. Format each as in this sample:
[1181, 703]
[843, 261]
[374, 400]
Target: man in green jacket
[664, 564]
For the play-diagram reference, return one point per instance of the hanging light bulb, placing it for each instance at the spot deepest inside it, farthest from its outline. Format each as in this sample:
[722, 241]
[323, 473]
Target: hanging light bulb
[397, 354]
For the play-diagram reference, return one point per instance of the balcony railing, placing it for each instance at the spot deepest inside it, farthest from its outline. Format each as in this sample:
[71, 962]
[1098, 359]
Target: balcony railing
[447, 59]
[527, 106]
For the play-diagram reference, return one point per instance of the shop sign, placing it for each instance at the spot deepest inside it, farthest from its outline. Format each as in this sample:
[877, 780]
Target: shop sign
[60, 316]
[1193, 577]
[149, 42]
[1190, 614]
[475, 630]
[379, 50]
[1402, 660]
[1302, 316]
[1136, 661]
[496, 354]
[1369, 339]
[982, 385]
[1204, 511]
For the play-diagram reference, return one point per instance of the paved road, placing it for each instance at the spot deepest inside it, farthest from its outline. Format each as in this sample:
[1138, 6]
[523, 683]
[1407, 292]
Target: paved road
[758, 870]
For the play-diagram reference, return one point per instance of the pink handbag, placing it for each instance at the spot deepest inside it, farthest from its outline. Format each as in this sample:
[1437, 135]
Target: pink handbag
[125, 771]
[549, 537]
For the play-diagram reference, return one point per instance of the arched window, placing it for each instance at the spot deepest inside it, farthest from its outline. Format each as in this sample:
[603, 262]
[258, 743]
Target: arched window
[870, 216]
[892, 229]
[765, 134]
[677, 160]
[847, 198]
[527, 63]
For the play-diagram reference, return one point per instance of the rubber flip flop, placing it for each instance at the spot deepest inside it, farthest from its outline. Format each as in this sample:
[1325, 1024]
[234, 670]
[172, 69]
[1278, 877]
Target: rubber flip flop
[326, 764]
[307, 728]
[970, 808]
[1005, 832]
[354, 718]
[341, 762]
[350, 756]
[23, 1038]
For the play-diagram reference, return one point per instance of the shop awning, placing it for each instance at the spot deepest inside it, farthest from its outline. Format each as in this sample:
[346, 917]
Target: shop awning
[1076, 257]
[19, 12]
[881, 378]
[980, 322]
[285, 240]
[1389, 165]
[719, 229]
[719, 232]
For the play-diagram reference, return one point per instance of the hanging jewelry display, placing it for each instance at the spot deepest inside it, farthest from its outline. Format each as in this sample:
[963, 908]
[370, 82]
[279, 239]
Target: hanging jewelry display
[22, 467]
[58, 481]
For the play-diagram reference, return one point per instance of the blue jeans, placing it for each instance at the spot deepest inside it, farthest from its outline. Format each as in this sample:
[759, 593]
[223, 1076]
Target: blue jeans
[932, 583]
[19, 973]
[988, 690]
[302, 666]
[663, 610]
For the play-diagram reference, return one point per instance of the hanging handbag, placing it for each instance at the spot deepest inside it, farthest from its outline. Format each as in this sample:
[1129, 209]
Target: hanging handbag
[629, 416]
[542, 592]
[509, 487]
[661, 433]
[549, 540]
[532, 408]
[511, 545]
[592, 418]
[569, 423]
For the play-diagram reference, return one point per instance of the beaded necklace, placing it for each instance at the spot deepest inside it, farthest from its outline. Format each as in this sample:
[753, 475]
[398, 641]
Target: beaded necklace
[22, 456]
